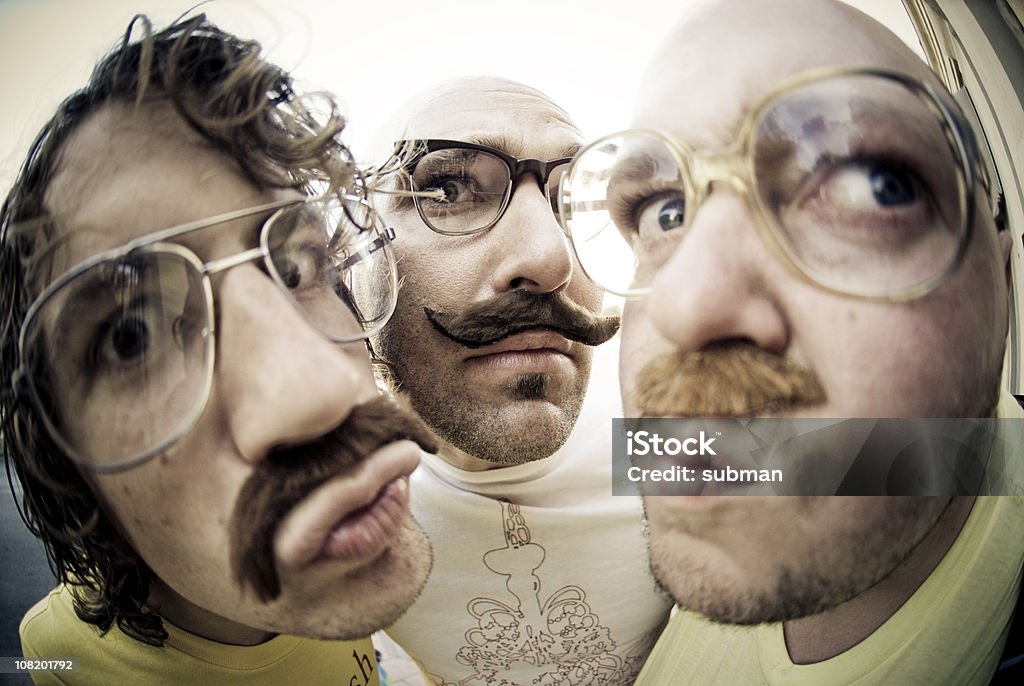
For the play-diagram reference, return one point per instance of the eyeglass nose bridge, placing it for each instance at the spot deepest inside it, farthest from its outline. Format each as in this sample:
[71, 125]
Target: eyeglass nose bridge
[703, 168]
[540, 169]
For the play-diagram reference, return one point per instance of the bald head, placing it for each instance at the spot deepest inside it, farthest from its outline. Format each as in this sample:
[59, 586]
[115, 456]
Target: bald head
[699, 67]
[807, 137]
[465, 108]
[498, 192]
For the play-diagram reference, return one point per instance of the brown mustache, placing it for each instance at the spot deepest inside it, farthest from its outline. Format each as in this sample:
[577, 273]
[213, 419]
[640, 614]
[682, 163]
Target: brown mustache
[286, 476]
[515, 311]
[731, 380]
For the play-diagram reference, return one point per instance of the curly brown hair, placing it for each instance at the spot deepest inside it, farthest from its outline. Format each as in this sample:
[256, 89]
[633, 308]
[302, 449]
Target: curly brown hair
[243, 105]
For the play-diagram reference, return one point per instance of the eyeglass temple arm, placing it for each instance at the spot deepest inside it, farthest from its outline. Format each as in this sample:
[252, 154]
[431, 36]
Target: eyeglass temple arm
[436, 194]
[368, 249]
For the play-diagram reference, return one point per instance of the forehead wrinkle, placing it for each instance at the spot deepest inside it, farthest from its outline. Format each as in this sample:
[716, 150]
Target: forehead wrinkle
[504, 142]
[102, 173]
[516, 146]
[115, 138]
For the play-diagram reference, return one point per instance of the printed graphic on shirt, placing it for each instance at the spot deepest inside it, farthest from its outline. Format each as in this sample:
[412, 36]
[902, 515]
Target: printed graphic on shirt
[553, 640]
[366, 667]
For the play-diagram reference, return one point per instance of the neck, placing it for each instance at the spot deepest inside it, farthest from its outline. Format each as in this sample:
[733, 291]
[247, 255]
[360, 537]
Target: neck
[830, 633]
[203, 623]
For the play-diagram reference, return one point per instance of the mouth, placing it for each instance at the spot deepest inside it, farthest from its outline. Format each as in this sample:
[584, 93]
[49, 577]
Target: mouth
[527, 341]
[536, 350]
[352, 518]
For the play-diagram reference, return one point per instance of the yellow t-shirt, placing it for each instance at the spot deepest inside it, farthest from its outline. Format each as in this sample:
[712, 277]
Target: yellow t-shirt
[51, 630]
[950, 631]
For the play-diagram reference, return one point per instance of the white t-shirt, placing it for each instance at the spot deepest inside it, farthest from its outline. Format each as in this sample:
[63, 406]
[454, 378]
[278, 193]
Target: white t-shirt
[540, 573]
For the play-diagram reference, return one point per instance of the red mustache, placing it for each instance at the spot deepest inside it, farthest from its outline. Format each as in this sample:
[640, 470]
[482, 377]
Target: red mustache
[730, 380]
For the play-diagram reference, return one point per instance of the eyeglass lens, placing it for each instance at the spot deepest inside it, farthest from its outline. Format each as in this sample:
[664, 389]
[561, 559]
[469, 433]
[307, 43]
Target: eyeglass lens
[120, 357]
[476, 186]
[858, 178]
[333, 267]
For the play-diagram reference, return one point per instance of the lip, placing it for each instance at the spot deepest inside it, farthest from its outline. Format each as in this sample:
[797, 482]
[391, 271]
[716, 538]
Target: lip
[536, 340]
[351, 518]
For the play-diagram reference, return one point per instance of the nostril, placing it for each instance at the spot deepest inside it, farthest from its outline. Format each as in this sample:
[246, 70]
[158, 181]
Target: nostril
[731, 342]
[521, 282]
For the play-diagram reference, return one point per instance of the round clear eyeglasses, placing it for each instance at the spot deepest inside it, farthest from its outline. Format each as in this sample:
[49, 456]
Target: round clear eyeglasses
[860, 180]
[117, 354]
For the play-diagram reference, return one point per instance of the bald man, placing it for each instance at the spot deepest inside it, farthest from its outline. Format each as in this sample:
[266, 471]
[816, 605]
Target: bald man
[835, 256]
[540, 574]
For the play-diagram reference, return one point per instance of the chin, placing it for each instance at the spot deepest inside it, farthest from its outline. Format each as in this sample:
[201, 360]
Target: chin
[706, 581]
[776, 559]
[506, 453]
[367, 599]
[534, 434]
[507, 432]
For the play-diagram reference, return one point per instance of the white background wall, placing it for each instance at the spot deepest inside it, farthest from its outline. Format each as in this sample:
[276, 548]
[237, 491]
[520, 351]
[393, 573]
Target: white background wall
[586, 54]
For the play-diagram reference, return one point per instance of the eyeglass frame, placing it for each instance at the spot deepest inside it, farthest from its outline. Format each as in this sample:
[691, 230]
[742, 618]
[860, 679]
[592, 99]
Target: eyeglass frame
[517, 168]
[157, 242]
[734, 164]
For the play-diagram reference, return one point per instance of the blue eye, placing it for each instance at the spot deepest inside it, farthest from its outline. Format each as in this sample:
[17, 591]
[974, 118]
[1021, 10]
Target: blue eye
[891, 187]
[659, 214]
[672, 214]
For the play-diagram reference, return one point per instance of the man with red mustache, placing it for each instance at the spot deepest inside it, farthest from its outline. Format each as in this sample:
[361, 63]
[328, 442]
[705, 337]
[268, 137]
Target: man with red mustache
[191, 411]
[807, 232]
[540, 574]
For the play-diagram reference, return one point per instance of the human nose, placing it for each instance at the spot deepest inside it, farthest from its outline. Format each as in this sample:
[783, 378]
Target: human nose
[718, 284]
[535, 252]
[278, 380]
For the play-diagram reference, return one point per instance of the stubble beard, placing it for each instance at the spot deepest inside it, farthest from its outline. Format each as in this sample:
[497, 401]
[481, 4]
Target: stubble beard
[523, 420]
[391, 584]
[526, 425]
[833, 568]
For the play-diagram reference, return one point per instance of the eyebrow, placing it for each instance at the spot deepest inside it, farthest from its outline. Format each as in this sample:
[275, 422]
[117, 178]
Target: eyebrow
[515, 148]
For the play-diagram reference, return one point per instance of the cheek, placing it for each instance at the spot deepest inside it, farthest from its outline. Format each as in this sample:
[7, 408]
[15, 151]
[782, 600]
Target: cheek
[173, 513]
[928, 358]
[150, 510]
[124, 499]
[863, 355]
[441, 275]
[435, 266]
[586, 292]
